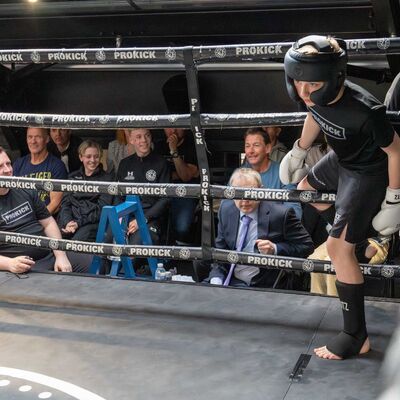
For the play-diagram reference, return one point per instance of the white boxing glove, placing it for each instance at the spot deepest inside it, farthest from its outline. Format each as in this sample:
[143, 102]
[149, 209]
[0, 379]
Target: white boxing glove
[293, 167]
[387, 221]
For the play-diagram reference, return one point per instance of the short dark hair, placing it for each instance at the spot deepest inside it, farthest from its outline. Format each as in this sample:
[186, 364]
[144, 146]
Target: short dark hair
[257, 131]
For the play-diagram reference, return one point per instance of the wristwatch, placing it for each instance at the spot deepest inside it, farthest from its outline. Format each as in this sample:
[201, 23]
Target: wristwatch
[174, 154]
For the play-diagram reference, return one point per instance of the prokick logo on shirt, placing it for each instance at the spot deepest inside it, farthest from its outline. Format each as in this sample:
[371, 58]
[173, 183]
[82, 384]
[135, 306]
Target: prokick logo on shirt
[329, 128]
[17, 213]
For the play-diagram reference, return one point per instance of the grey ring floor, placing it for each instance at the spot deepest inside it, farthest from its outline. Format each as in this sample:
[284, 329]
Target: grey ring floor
[147, 340]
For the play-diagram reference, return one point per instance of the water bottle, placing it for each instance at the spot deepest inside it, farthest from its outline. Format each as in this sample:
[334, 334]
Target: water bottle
[160, 272]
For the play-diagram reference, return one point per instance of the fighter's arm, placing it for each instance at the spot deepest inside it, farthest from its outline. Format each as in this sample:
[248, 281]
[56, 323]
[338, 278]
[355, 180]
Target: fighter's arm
[309, 133]
[393, 153]
[293, 167]
[51, 230]
[387, 221]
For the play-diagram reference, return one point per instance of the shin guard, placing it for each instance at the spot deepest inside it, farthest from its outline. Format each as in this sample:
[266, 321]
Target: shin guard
[349, 342]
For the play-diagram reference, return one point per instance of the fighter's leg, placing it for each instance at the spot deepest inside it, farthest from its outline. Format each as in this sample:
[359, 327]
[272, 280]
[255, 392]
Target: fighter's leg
[353, 339]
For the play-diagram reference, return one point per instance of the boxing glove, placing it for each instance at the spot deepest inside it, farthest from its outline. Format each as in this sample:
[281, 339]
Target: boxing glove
[387, 221]
[293, 167]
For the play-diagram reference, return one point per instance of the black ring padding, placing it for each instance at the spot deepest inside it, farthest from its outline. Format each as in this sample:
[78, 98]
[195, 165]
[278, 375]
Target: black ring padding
[281, 195]
[187, 190]
[210, 121]
[191, 253]
[120, 55]
[102, 249]
[207, 226]
[172, 55]
[299, 264]
[112, 188]
[80, 121]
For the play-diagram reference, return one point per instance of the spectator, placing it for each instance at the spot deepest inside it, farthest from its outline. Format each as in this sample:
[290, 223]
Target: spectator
[146, 166]
[273, 229]
[80, 212]
[23, 212]
[40, 164]
[179, 149]
[278, 149]
[64, 146]
[118, 149]
[257, 147]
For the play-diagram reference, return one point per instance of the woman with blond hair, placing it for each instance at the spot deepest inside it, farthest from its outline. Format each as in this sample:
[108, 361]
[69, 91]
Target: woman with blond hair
[80, 212]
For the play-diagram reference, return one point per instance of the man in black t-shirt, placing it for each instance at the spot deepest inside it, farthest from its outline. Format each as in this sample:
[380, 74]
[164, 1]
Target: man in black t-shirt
[21, 211]
[179, 150]
[363, 166]
[145, 166]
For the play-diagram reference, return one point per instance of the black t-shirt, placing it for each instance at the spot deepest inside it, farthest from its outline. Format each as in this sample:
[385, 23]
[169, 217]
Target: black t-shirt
[186, 151]
[356, 127]
[150, 169]
[20, 212]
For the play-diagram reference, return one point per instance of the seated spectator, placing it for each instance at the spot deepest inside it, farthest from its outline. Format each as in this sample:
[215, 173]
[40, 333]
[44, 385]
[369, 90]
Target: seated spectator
[64, 146]
[23, 212]
[42, 165]
[278, 149]
[179, 150]
[146, 166]
[272, 229]
[80, 212]
[257, 147]
[118, 149]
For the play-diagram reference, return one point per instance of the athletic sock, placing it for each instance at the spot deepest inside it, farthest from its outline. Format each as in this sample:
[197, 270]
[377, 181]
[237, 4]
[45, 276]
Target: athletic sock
[349, 342]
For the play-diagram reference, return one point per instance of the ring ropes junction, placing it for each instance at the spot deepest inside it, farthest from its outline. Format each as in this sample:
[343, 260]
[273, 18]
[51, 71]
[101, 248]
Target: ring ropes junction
[190, 58]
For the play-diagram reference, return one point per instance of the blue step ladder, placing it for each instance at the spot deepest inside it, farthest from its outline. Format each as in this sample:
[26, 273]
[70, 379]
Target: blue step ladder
[117, 218]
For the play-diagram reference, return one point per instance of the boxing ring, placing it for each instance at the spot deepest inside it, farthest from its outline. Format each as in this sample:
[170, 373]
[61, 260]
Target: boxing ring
[124, 339]
[67, 336]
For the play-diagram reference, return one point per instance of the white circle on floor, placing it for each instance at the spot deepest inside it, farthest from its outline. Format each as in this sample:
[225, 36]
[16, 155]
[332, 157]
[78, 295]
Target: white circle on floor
[25, 388]
[54, 383]
[44, 395]
[4, 382]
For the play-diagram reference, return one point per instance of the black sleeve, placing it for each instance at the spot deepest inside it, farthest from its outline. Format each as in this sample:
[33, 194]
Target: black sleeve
[161, 204]
[380, 126]
[220, 242]
[65, 214]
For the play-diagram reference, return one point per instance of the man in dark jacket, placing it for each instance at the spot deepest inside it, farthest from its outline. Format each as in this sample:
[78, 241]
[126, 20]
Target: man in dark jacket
[146, 166]
[65, 146]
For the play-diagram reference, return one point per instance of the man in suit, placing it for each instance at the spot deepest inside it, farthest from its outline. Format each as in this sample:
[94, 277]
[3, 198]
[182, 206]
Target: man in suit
[273, 229]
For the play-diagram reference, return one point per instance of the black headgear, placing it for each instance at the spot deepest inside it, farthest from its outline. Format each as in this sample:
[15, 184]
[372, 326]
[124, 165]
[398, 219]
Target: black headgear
[326, 65]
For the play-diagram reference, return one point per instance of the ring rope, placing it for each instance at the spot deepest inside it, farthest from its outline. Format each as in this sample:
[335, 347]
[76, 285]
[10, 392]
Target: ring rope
[192, 253]
[165, 190]
[211, 121]
[167, 55]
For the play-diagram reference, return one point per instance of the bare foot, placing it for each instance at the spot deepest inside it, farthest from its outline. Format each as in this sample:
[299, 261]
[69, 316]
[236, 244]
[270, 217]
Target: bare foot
[323, 352]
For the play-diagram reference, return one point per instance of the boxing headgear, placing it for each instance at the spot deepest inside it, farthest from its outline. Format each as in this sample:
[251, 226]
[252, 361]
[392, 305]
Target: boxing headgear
[326, 65]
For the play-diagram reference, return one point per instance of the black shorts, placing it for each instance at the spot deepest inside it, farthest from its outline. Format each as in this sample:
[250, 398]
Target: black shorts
[358, 196]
